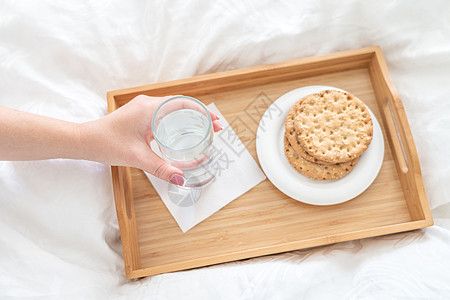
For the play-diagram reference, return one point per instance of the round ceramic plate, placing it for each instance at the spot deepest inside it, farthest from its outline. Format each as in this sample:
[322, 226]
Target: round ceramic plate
[270, 151]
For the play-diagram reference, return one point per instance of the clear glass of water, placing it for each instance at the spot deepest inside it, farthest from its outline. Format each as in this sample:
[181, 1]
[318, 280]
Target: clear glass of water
[183, 130]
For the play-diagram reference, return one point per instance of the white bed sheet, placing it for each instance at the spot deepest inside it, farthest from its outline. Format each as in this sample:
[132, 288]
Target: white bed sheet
[58, 229]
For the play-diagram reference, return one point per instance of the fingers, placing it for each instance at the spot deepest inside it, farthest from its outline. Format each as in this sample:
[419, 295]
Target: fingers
[192, 105]
[161, 169]
[217, 126]
[182, 103]
[197, 107]
[179, 104]
[214, 116]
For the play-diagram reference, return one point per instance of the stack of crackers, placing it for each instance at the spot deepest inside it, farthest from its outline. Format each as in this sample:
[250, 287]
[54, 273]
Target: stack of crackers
[326, 133]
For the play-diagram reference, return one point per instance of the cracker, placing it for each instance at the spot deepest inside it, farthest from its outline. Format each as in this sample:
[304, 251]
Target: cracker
[333, 126]
[314, 170]
[291, 135]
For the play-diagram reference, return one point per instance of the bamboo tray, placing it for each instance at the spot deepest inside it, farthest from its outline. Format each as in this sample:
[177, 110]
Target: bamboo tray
[264, 220]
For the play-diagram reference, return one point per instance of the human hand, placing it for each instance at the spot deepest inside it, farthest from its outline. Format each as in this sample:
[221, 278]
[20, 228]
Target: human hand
[123, 138]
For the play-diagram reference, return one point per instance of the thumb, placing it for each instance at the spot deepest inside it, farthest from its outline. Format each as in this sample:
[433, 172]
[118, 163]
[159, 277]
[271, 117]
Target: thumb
[158, 167]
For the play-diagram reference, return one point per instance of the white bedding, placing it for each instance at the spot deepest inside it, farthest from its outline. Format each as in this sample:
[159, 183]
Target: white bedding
[58, 229]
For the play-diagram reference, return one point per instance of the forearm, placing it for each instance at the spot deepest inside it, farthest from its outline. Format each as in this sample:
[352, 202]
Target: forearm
[120, 139]
[26, 136]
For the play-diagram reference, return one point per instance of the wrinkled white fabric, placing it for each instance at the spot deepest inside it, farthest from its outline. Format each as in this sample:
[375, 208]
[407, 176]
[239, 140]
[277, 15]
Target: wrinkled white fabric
[58, 229]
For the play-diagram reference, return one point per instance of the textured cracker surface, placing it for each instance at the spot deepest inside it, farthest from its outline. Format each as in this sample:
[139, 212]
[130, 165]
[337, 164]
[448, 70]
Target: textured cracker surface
[314, 170]
[291, 135]
[333, 126]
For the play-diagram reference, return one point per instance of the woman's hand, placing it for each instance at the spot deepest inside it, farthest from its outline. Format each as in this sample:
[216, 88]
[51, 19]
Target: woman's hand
[123, 138]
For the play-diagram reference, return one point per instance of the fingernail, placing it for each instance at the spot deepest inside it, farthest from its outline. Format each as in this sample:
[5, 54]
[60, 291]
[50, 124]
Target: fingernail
[177, 179]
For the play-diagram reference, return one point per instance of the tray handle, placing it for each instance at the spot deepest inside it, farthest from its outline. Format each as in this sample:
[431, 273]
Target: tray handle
[400, 138]
[123, 197]
[393, 127]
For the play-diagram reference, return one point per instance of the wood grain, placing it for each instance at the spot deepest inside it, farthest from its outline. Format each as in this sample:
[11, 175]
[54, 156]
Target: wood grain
[264, 220]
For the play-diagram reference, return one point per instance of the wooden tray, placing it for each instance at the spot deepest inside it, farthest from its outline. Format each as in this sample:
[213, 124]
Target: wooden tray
[264, 220]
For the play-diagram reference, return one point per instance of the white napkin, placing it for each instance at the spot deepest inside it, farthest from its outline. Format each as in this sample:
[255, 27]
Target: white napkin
[238, 174]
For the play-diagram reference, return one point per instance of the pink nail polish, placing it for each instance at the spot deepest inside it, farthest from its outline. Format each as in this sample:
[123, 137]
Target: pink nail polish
[176, 179]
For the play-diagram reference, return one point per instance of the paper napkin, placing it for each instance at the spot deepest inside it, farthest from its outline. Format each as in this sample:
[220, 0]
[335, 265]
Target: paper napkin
[237, 174]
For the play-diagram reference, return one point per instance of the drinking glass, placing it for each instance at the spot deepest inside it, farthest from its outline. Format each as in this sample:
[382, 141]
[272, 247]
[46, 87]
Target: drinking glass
[183, 130]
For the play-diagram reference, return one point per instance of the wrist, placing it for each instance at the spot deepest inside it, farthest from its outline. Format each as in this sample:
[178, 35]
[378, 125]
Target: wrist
[79, 138]
[69, 144]
[94, 140]
[87, 141]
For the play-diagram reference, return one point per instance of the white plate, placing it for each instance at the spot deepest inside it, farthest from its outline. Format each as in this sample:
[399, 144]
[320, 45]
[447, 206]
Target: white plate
[270, 151]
